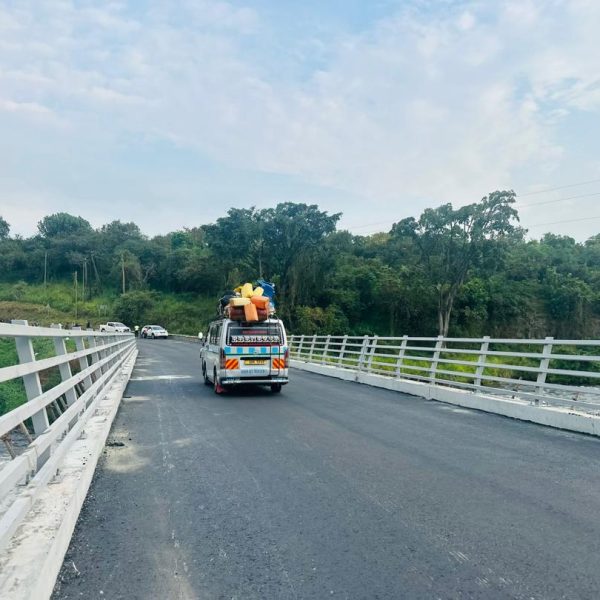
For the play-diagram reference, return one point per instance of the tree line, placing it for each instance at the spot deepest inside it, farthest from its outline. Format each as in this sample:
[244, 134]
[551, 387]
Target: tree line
[465, 271]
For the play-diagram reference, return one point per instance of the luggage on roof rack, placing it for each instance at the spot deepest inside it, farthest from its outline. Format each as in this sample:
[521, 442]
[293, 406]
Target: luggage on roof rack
[248, 303]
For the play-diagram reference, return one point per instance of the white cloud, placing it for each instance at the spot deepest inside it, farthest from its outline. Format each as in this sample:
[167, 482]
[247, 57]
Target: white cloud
[421, 108]
[113, 97]
[466, 21]
[217, 14]
[25, 107]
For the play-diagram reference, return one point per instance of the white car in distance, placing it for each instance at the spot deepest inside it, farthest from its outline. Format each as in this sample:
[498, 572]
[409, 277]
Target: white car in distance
[154, 331]
[114, 327]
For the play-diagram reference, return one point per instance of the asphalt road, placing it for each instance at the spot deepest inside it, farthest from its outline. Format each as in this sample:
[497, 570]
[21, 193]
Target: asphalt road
[329, 490]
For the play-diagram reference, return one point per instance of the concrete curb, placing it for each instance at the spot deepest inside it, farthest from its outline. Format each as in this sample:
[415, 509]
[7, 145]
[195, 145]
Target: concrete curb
[32, 562]
[557, 417]
[183, 338]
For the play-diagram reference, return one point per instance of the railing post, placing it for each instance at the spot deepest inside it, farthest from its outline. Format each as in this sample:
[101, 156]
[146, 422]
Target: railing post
[325, 349]
[363, 352]
[436, 357]
[99, 342]
[33, 387]
[401, 353]
[111, 340]
[371, 354]
[94, 357]
[300, 346]
[292, 345]
[342, 350]
[65, 368]
[83, 361]
[312, 347]
[543, 369]
[481, 361]
[104, 352]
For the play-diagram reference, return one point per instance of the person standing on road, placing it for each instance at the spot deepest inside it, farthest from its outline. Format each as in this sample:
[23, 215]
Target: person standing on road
[136, 329]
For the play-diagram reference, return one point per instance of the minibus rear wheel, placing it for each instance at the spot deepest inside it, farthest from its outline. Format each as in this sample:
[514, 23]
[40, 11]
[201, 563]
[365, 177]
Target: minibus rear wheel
[219, 389]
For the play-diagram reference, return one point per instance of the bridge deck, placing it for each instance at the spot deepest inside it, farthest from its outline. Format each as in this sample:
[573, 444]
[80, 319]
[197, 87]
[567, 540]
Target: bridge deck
[330, 489]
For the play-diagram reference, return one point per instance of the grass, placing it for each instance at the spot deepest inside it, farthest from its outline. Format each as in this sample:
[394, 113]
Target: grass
[179, 313]
[12, 393]
[185, 314]
[53, 304]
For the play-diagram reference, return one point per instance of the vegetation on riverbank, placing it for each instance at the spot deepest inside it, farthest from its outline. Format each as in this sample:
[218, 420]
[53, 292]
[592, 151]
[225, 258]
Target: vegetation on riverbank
[468, 271]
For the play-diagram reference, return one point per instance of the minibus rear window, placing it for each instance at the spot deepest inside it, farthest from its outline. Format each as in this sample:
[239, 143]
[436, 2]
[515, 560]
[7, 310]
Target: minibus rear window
[256, 335]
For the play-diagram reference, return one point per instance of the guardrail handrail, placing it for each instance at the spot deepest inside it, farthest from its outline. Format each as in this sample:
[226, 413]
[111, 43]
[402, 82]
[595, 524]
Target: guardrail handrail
[539, 371]
[49, 421]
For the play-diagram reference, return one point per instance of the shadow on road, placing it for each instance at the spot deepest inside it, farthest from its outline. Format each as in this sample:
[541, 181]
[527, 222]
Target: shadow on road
[251, 392]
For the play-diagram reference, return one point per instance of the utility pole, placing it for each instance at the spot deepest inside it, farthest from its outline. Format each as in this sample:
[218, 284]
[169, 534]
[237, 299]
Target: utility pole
[76, 282]
[84, 278]
[46, 283]
[97, 275]
[123, 269]
[260, 247]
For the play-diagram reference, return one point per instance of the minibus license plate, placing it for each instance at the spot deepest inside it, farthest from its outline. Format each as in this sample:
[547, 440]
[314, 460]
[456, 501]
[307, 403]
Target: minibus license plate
[251, 361]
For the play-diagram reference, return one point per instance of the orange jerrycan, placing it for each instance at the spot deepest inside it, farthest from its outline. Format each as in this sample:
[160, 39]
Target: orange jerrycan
[250, 312]
[260, 301]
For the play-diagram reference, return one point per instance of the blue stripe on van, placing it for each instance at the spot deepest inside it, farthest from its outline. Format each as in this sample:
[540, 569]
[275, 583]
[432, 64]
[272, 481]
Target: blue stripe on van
[254, 349]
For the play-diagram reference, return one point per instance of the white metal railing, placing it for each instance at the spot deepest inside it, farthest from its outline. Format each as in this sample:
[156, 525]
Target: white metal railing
[37, 434]
[548, 371]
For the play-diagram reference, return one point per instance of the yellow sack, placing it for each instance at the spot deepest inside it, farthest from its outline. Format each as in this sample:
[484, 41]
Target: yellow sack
[258, 291]
[238, 290]
[247, 290]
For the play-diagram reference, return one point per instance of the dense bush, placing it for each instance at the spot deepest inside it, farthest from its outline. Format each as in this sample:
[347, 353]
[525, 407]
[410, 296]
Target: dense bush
[456, 270]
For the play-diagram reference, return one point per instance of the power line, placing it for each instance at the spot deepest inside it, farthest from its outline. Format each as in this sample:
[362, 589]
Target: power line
[567, 221]
[562, 187]
[516, 206]
[557, 200]
[529, 226]
[375, 224]
[537, 224]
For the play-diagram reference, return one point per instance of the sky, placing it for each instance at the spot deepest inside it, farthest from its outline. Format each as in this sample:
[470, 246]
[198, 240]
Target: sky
[168, 113]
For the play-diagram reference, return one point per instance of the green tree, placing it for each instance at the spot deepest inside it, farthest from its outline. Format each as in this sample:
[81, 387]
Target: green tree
[63, 224]
[126, 271]
[468, 269]
[567, 299]
[322, 321]
[237, 242]
[293, 239]
[283, 244]
[132, 308]
[116, 233]
[4, 229]
[452, 241]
